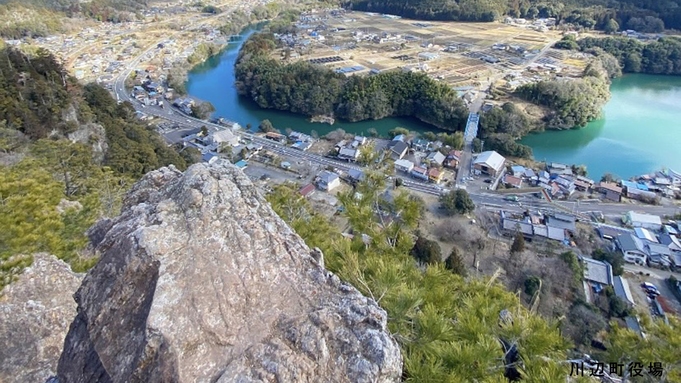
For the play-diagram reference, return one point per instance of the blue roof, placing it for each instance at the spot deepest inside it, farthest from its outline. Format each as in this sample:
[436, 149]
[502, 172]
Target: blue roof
[642, 186]
[518, 168]
[241, 164]
[629, 184]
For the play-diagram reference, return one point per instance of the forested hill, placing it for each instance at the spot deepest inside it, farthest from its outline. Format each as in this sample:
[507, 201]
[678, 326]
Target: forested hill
[67, 154]
[44, 17]
[315, 90]
[641, 15]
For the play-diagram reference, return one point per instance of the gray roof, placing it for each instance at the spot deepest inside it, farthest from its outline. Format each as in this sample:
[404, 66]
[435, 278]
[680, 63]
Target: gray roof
[327, 177]
[515, 225]
[656, 248]
[629, 242]
[356, 174]
[556, 233]
[622, 289]
[491, 159]
[398, 147]
[672, 242]
[632, 324]
[597, 271]
[561, 221]
[436, 157]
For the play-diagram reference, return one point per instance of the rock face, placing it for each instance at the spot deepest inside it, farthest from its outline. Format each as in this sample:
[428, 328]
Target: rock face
[35, 313]
[200, 281]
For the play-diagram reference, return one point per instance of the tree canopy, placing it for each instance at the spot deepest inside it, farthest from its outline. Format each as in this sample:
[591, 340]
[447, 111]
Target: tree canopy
[457, 202]
[311, 89]
[53, 189]
[448, 328]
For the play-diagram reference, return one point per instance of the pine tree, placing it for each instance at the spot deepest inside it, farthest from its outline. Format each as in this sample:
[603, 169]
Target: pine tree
[518, 245]
[454, 262]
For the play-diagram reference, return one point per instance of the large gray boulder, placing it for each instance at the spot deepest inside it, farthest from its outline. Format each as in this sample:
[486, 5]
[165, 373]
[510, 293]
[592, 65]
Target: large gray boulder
[200, 281]
[35, 313]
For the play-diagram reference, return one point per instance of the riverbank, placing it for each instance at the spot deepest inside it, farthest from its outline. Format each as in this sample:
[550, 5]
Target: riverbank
[638, 133]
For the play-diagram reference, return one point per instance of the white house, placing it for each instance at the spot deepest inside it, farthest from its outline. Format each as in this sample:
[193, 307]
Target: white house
[646, 221]
[225, 136]
[328, 180]
[632, 248]
[348, 154]
[404, 165]
[489, 162]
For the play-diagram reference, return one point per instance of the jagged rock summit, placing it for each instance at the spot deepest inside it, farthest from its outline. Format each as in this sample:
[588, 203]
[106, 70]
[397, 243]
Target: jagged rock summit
[35, 313]
[200, 281]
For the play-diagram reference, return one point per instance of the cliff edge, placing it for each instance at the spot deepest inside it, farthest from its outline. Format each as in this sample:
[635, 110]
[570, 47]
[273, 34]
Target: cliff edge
[35, 312]
[200, 281]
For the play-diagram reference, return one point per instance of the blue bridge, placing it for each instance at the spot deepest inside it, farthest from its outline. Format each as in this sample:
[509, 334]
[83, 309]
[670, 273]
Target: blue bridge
[471, 127]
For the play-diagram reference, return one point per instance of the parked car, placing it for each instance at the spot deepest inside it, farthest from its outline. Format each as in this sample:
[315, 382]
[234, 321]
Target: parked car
[650, 289]
[513, 198]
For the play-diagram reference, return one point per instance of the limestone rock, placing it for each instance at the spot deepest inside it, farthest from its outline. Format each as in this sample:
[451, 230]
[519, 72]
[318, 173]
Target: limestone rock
[35, 313]
[200, 281]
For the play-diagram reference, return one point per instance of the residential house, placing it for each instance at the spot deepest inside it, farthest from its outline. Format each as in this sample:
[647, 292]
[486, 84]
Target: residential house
[302, 145]
[583, 184]
[544, 177]
[328, 181]
[597, 274]
[517, 171]
[224, 137]
[555, 168]
[647, 221]
[404, 165]
[658, 254]
[398, 149]
[400, 137]
[355, 175]
[671, 241]
[348, 154]
[611, 191]
[420, 144]
[632, 248]
[307, 190]
[490, 163]
[452, 159]
[563, 221]
[611, 232]
[360, 140]
[419, 172]
[529, 174]
[341, 144]
[298, 136]
[208, 156]
[517, 225]
[513, 181]
[621, 287]
[435, 159]
[645, 234]
[435, 175]
[637, 190]
[275, 136]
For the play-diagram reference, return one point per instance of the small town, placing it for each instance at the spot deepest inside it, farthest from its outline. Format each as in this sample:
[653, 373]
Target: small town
[293, 251]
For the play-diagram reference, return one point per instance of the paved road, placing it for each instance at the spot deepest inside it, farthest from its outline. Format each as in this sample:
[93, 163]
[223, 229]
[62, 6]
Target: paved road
[479, 197]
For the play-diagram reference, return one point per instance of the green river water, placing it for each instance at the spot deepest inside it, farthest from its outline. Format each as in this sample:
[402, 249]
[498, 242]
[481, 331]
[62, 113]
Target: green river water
[639, 132]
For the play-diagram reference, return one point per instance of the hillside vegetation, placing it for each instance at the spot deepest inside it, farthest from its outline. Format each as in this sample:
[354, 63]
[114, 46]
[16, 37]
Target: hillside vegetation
[641, 15]
[67, 155]
[315, 90]
[657, 57]
[451, 328]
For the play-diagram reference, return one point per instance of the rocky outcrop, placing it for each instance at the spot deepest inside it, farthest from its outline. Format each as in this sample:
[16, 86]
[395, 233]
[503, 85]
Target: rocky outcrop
[35, 313]
[200, 281]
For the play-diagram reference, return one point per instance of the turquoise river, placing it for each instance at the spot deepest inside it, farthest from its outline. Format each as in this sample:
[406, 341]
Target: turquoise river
[640, 130]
